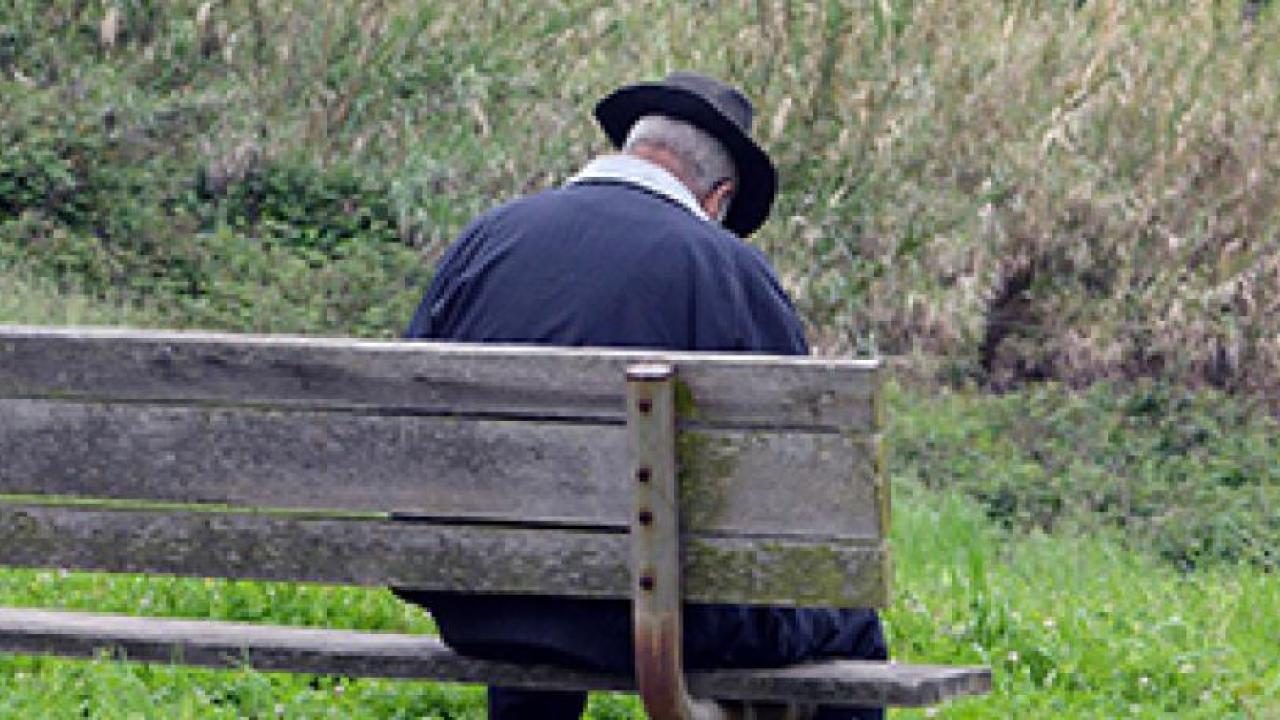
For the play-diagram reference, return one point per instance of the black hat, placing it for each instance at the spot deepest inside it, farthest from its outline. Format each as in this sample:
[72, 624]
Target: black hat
[719, 109]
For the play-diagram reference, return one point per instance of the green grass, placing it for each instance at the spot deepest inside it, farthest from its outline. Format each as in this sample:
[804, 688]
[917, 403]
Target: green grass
[1190, 476]
[1079, 627]
[1105, 551]
[1075, 627]
[27, 300]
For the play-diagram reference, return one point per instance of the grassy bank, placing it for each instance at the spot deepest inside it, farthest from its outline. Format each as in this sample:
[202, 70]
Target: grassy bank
[1189, 477]
[1079, 627]
[1027, 190]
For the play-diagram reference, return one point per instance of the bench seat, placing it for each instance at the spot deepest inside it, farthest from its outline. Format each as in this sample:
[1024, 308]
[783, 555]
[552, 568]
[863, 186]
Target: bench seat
[272, 648]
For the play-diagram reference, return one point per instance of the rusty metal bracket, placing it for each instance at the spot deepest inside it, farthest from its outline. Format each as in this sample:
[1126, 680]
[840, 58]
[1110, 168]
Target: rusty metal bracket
[655, 548]
[655, 560]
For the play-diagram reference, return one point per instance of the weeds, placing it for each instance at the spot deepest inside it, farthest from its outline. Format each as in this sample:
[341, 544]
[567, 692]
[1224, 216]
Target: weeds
[1188, 476]
[1023, 190]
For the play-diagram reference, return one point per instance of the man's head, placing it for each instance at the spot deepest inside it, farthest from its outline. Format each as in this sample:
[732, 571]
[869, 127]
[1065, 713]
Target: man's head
[691, 154]
[718, 112]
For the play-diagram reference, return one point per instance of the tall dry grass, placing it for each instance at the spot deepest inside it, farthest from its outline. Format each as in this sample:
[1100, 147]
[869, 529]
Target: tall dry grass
[1011, 191]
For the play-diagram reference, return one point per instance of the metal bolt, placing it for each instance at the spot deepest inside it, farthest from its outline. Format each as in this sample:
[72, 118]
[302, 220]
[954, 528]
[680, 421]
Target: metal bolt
[643, 474]
[645, 405]
[646, 583]
[646, 517]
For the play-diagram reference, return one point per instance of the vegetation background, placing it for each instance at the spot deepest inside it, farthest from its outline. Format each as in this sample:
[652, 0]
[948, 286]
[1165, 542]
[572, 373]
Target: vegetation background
[1060, 217]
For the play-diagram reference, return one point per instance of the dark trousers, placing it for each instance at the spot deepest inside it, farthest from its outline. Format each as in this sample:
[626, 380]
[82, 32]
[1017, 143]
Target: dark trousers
[596, 635]
[510, 704]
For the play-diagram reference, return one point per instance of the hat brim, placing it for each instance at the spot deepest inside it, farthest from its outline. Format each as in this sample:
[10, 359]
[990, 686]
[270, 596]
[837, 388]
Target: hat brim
[757, 178]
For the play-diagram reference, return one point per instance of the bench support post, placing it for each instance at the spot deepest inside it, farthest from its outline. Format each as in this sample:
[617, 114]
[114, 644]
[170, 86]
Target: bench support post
[655, 560]
[655, 548]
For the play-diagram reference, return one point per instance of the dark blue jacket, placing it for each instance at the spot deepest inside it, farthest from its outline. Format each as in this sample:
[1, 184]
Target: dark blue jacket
[608, 264]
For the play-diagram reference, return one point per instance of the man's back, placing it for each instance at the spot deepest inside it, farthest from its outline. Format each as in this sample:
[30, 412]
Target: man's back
[607, 264]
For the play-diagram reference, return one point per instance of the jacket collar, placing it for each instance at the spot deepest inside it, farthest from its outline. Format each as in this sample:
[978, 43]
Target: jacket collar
[632, 170]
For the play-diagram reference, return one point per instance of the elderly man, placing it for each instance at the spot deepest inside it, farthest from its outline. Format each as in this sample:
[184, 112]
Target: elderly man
[637, 250]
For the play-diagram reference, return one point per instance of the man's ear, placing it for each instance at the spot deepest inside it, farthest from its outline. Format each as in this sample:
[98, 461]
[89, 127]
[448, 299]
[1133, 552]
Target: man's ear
[716, 202]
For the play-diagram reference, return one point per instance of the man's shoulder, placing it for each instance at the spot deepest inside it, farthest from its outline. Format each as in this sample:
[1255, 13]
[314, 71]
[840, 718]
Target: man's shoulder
[626, 212]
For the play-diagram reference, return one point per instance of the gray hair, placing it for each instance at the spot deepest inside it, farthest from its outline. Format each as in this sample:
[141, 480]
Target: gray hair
[706, 162]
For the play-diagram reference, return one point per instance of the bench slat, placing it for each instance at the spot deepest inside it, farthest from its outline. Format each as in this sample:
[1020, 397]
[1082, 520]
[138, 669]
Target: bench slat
[462, 558]
[443, 378]
[735, 481]
[366, 654]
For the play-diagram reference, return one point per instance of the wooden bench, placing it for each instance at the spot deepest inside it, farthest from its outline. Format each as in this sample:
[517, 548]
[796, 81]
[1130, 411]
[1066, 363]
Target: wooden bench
[655, 477]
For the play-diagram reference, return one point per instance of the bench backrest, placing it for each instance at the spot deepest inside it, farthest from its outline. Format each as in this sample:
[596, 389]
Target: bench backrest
[283, 458]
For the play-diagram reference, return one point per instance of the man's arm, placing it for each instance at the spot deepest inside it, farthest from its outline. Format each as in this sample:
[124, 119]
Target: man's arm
[739, 305]
[432, 318]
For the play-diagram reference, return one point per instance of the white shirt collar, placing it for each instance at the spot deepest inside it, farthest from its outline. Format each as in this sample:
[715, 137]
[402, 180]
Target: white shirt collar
[637, 171]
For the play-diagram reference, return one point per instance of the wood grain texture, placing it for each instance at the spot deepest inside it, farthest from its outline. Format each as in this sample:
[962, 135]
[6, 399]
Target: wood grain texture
[425, 378]
[365, 654]
[460, 558]
[732, 481]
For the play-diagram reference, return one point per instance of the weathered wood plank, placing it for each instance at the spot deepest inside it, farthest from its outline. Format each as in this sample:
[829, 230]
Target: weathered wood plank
[845, 682]
[365, 654]
[461, 558]
[733, 481]
[439, 378]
